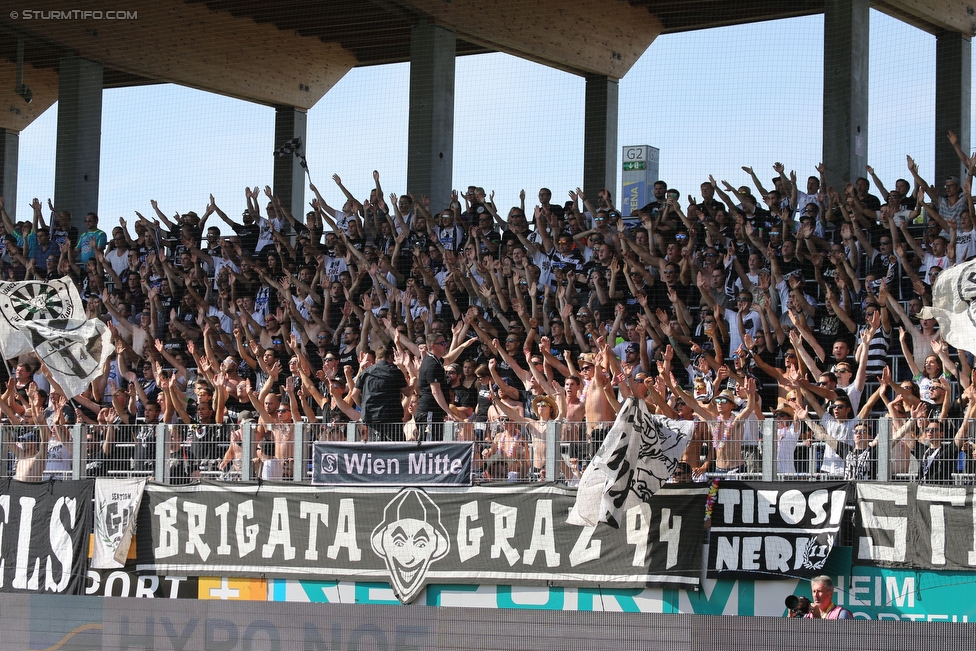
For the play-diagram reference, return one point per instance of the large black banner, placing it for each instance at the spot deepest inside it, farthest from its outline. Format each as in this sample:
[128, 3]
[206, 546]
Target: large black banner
[392, 464]
[44, 530]
[775, 528]
[907, 525]
[498, 534]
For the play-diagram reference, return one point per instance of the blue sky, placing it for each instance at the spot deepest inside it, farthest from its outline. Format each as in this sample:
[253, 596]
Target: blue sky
[711, 101]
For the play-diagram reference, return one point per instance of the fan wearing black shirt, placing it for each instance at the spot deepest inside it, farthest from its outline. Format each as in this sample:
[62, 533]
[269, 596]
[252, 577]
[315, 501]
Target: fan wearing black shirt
[379, 389]
[463, 400]
[61, 229]
[432, 407]
[247, 232]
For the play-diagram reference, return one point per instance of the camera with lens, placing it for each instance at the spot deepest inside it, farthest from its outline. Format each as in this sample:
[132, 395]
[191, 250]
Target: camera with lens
[798, 606]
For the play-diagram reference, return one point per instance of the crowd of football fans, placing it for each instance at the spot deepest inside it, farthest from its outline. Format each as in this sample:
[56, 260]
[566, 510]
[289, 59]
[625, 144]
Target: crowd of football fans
[411, 317]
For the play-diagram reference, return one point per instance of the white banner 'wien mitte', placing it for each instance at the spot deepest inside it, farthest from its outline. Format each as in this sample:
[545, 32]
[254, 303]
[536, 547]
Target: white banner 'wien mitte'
[49, 319]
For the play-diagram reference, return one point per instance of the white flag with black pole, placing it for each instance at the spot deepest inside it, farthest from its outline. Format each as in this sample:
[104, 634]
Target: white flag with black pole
[294, 146]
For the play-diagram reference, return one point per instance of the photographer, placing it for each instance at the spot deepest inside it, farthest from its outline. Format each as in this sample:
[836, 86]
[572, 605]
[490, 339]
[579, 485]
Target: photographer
[823, 601]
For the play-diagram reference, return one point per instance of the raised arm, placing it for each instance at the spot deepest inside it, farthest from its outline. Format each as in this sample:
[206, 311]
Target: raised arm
[877, 182]
[755, 180]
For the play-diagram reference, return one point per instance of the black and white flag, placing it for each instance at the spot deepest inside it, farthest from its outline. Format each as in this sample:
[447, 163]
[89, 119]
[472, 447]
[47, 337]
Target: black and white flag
[49, 319]
[636, 458]
[293, 146]
[954, 305]
[31, 302]
[116, 507]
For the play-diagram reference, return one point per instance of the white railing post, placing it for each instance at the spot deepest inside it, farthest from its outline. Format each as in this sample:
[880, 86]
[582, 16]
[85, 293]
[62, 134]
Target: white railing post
[161, 467]
[883, 432]
[298, 464]
[552, 450]
[769, 449]
[78, 449]
[247, 451]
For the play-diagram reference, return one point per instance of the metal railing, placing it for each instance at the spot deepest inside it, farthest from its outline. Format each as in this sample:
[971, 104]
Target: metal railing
[503, 450]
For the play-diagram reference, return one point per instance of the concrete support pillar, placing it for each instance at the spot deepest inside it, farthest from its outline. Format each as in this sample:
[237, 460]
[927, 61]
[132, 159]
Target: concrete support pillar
[9, 144]
[79, 138]
[600, 137]
[845, 100]
[430, 158]
[289, 175]
[953, 75]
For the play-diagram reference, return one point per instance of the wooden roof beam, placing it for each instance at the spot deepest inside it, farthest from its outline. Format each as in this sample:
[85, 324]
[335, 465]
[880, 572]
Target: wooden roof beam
[169, 40]
[603, 38]
[15, 113]
[932, 16]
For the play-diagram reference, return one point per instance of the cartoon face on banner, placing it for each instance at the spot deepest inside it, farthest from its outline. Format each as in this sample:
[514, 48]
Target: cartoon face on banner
[409, 539]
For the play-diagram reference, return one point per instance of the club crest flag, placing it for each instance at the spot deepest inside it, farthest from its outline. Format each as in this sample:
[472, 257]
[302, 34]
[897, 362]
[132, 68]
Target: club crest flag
[953, 305]
[636, 458]
[49, 319]
[116, 507]
[30, 302]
